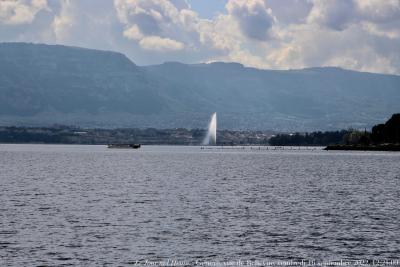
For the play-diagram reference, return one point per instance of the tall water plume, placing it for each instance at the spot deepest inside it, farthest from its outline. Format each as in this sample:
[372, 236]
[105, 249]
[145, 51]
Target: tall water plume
[211, 137]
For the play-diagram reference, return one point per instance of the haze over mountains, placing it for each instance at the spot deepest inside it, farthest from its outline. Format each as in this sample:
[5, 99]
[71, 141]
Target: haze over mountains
[48, 84]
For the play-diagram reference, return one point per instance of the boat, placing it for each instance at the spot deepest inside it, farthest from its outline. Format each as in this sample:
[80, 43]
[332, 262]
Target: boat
[131, 146]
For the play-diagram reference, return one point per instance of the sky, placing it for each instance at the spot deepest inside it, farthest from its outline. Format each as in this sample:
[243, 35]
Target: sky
[362, 35]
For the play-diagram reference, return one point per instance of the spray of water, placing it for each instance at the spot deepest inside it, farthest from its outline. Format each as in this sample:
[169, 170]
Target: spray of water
[211, 137]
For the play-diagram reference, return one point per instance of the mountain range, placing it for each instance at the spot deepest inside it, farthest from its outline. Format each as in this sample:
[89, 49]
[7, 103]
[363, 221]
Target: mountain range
[52, 84]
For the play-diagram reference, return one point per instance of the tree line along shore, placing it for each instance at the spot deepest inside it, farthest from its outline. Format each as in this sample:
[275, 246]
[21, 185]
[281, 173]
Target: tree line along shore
[382, 137]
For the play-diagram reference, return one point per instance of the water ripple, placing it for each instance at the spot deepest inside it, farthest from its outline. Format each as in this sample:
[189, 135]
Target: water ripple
[86, 205]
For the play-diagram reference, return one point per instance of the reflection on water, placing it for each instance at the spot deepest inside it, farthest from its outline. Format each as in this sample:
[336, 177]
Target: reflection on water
[86, 205]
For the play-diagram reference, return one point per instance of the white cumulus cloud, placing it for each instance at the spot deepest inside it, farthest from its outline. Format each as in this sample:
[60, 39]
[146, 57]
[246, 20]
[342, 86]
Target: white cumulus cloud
[158, 25]
[281, 34]
[160, 44]
[332, 14]
[16, 12]
[254, 17]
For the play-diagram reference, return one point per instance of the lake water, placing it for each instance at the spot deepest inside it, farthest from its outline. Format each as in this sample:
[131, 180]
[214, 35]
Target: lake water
[91, 206]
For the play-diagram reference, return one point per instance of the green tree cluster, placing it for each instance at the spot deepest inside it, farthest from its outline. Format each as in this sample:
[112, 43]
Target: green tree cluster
[388, 132]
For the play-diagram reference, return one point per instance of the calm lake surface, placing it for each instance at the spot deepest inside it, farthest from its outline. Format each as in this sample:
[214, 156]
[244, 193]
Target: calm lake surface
[89, 205]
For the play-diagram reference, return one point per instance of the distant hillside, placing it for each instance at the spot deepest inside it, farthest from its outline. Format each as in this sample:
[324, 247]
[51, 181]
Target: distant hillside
[43, 78]
[46, 84]
[316, 98]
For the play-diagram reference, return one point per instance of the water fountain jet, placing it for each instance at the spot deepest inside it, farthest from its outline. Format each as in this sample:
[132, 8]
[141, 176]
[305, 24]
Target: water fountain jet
[211, 137]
